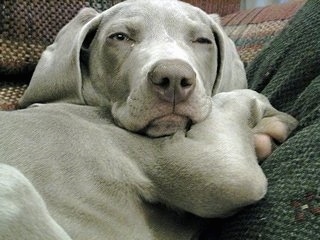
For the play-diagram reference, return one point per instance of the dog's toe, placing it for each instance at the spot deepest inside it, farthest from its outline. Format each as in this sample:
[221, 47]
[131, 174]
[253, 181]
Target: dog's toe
[275, 128]
[263, 145]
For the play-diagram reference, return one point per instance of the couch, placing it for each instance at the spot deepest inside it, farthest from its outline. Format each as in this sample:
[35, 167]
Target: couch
[280, 46]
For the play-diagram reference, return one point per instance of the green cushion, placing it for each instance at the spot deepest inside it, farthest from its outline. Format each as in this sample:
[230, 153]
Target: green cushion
[288, 73]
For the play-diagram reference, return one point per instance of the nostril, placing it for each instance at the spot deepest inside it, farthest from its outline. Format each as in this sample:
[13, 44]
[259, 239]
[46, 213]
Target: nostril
[185, 83]
[164, 83]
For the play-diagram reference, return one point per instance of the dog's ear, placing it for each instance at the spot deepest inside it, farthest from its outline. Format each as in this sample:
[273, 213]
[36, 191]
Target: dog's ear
[57, 77]
[216, 18]
[230, 74]
[85, 47]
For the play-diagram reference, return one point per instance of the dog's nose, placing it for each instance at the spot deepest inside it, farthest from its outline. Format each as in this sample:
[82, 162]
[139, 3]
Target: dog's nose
[172, 80]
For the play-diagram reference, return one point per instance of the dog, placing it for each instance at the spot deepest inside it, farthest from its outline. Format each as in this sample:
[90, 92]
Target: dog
[136, 124]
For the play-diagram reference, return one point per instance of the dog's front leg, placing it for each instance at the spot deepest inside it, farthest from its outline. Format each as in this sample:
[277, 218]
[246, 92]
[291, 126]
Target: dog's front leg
[212, 170]
[23, 214]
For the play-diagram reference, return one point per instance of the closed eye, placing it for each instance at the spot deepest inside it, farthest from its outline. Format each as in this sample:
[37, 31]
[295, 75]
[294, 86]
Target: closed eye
[203, 40]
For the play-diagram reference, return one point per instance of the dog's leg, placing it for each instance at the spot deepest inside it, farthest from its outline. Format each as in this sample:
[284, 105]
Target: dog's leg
[23, 214]
[212, 170]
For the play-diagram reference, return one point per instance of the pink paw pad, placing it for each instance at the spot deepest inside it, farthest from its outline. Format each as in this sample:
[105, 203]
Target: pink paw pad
[263, 145]
[267, 130]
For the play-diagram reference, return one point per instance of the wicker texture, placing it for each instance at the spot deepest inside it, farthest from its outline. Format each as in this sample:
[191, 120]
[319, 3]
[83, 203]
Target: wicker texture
[10, 93]
[221, 7]
[252, 29]
[27, 27]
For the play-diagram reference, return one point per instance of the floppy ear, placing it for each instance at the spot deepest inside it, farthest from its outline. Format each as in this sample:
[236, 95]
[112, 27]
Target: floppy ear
[57, 77]
[231, 74]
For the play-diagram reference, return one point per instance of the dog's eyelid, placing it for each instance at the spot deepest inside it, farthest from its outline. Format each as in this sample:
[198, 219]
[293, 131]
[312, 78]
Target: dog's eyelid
[201, 34]
[203, 40]
[202, 37]
[120, 36]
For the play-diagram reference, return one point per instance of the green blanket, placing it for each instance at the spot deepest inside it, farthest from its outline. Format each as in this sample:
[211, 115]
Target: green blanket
[287, 71]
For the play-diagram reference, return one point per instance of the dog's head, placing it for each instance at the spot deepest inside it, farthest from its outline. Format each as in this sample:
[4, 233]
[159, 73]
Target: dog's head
[153, 64]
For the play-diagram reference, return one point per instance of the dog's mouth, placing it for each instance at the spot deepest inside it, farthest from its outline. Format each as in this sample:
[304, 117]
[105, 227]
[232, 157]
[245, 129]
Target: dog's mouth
[167, 125]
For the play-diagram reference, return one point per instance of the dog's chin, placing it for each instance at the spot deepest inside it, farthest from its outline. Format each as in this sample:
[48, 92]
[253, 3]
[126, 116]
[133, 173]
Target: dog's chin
[167, 125]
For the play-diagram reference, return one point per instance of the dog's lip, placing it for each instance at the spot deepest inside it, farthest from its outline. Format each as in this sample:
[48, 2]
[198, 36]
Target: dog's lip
[170, 118]
[167, 125]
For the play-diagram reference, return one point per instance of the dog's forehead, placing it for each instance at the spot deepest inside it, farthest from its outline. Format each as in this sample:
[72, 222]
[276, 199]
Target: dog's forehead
[158, 12]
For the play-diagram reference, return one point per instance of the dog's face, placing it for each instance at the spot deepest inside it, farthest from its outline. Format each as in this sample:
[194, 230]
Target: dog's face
[155, 63]
[157, 70]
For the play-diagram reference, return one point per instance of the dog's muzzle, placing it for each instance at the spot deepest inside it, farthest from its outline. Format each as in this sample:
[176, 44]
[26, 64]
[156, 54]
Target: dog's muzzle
[172, 81]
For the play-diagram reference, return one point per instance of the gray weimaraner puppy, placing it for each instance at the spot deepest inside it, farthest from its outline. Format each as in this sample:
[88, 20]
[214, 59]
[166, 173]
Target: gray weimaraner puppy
[132, 128]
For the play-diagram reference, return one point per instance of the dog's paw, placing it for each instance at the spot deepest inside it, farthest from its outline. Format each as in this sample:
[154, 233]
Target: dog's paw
[269, 126]
[271, 130]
